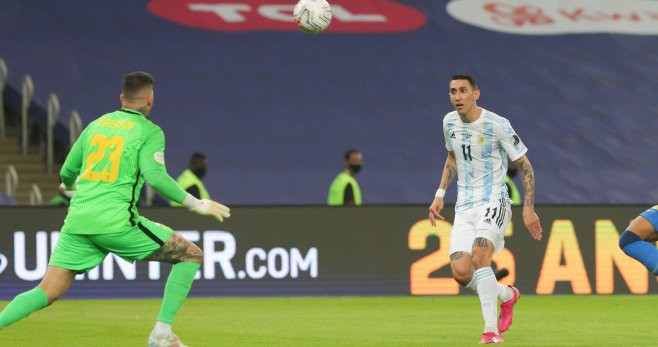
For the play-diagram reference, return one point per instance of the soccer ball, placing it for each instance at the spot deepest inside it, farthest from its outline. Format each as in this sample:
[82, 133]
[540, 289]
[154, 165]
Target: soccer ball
[312, 16]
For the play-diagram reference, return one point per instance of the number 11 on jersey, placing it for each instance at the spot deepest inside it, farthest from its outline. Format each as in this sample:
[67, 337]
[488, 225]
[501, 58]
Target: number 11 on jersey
[467, 152]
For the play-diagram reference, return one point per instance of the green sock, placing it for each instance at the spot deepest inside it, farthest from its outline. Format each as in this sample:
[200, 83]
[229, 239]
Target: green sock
[178, 285]
[23, 304]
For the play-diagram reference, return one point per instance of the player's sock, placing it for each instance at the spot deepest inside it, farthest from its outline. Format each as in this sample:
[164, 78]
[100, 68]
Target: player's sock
[488, 292]
[23, 304]
[178, 285]
[473, 284]
[504, 292]
[640, 250]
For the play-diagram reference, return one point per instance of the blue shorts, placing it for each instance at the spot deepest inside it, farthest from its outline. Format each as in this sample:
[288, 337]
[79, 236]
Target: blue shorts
[652, 216]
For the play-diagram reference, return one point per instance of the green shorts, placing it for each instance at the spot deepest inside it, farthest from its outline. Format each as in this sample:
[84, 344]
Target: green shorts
[83, 252]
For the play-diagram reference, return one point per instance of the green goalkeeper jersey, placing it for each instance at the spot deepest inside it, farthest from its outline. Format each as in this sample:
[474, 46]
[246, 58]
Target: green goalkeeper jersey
[110, 160]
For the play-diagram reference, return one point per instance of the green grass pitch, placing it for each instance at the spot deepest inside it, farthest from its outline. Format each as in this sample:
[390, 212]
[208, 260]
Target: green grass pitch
[343, 321]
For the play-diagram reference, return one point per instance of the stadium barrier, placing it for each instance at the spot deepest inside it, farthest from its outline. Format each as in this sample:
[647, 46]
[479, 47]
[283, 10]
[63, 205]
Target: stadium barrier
[370, 250]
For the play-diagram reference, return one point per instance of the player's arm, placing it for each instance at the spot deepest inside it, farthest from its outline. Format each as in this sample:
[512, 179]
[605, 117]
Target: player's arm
[449, 174]
[530, 218]
[516, 151]
[152, 167]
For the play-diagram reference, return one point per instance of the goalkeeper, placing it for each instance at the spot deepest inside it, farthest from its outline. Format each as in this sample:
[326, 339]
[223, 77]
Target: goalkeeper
[106, 169]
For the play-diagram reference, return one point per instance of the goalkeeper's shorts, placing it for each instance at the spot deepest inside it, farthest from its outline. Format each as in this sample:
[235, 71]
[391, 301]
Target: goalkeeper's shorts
[83, 252]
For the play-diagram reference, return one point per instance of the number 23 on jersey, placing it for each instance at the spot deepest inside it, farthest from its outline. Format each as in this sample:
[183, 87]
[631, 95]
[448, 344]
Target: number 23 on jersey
[115, 145]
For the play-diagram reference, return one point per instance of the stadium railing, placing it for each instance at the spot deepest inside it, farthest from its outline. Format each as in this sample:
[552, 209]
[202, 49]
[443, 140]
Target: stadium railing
[3, 82]
[53, 116]
[75, 127]
[26, 98]
[33, 121]
[35, 125]
[11, 181]
[36, 198]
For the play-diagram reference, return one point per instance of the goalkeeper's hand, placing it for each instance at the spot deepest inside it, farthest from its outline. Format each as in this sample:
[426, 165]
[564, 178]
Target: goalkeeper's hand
[207, 207]
[68, 192]
[212, 208]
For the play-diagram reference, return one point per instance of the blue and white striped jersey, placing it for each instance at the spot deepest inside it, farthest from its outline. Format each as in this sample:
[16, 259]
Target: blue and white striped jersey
[481, 150]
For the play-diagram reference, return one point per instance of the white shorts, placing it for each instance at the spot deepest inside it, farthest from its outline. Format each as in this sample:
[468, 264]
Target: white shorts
[483, 221]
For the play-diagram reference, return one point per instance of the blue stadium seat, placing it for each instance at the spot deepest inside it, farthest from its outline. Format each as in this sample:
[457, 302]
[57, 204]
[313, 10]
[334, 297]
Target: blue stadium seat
[6, 200]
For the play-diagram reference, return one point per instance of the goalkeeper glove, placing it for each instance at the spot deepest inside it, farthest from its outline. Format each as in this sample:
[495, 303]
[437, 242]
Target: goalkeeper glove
[68, 192]
[207, 207]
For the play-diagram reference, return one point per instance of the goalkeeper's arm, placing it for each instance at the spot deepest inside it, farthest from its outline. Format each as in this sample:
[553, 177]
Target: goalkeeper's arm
[151, 164]
[167, 187]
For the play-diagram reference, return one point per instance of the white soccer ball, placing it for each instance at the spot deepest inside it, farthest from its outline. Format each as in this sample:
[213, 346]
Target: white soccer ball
[312, 16]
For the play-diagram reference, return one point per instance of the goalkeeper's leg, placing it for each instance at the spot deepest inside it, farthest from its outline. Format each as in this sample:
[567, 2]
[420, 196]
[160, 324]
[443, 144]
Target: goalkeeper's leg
[54, 284]
[186, 258]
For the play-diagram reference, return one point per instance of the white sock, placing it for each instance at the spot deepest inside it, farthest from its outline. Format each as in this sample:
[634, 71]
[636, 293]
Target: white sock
[504, 292]
[488, 292]
[160, 330]
[473, 284]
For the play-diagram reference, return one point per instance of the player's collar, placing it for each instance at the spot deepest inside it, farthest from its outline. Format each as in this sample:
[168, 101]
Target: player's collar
[131, 111]
[475, 122]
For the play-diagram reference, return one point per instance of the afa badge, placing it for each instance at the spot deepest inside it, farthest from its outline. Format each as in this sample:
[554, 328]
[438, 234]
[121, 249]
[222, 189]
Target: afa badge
[481, 139]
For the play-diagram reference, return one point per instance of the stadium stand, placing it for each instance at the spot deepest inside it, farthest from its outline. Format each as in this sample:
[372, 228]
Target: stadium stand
[271, 108]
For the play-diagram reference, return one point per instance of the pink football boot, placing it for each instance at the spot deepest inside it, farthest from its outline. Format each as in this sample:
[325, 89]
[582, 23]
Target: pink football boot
[491, 338]
[507, 310]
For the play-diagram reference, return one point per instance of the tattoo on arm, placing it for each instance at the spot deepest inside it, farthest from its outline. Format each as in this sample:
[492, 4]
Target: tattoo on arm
[480, 242]
[456, 255]
[528, 177]
[449, 172]
[452, 172]
[177, 249]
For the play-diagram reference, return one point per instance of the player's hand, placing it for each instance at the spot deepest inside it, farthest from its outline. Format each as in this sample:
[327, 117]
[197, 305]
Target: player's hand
[212, 208]
[68, 192]
[435, 210]
[531, 221]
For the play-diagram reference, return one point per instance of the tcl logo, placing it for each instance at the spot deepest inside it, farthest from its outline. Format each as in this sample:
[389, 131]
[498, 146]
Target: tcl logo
[251, 15]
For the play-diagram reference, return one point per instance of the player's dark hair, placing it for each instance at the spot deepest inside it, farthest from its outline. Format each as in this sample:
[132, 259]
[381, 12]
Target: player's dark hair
[135, 82]
[197, 156]
[471, 80]
[349, 152]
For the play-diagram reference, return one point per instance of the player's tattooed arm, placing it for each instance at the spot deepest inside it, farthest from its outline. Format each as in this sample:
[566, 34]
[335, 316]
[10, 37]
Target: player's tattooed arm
[528, 178]
[449, 171]
[456, 255]
[480, 242]
[177, 249]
